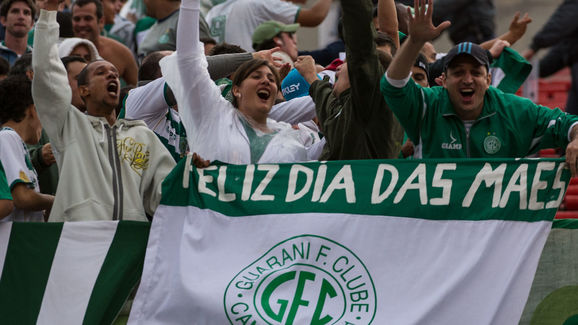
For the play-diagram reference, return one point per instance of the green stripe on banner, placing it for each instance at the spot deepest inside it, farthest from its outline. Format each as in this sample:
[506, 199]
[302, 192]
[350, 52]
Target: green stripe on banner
[465, 189]
[120, 272]
[565, 224]
[26, 269]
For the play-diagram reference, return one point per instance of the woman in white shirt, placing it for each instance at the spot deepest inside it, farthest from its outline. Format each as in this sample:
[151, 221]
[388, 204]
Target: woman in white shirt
[238, 133]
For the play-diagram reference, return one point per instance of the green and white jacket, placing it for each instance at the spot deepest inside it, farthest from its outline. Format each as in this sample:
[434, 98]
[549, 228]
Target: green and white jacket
[509, 126]
[106, 171]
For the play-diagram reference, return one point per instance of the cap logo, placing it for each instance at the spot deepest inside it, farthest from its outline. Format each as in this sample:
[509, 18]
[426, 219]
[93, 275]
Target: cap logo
[465, 48]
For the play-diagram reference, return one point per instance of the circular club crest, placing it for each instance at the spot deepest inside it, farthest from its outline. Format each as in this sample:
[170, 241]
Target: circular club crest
[492, 144]
[305, 279]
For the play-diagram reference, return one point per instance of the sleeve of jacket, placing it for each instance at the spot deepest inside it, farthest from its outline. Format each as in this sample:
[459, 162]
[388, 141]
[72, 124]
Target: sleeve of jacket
[320, 91]
[50, 89]
[363, 64]
[221, 66]
[562, 24]
[161, 164]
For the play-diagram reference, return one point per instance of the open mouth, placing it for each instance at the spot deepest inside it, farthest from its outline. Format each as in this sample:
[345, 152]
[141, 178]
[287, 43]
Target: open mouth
[467, 94]
[112, 88]
[264, 94]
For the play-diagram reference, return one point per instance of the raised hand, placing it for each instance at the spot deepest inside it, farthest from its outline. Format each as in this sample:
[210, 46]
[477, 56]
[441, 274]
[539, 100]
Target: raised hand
[267, 55]
[498, 47]
[518, 25]
[306, 67]
[421, 28]
[52, 4]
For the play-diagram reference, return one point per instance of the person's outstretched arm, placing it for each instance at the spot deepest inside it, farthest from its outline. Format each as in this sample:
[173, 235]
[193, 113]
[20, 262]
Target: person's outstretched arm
[50, 88]
[311, 17]
[421, 30]
[387, 17]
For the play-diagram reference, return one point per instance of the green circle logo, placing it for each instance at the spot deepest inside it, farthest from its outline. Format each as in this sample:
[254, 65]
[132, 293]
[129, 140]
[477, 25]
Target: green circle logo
[305, 279]
[492, 144]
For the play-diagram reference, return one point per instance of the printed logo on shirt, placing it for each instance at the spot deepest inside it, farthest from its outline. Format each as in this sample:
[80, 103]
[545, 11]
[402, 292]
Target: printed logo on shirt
[452, 145]
[492, 144]
[165, 38]
[305, 279]
[134, 153]
[23, 177]
[290, 89]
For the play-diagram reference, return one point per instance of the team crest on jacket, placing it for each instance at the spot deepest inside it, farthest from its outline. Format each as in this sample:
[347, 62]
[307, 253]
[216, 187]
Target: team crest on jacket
[305, 279]
[492, 144]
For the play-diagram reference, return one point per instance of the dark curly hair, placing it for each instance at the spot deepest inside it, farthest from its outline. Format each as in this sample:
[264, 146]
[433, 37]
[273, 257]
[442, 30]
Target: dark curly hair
[16, 95]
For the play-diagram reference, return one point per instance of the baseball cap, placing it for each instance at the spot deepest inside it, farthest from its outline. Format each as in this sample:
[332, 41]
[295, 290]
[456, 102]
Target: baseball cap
[270, 29]
[468, 48]
[294, 85]
[421, 62]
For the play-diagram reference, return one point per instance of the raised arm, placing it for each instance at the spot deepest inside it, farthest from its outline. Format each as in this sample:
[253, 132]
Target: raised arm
[50, 88]
[387, 17]
[515, 32]
[311, 17]
[421, 30]
[201, 105]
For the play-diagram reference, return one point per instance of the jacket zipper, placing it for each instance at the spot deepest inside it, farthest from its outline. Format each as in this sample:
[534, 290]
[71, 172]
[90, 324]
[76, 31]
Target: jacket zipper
[469, 130]
[116, 176]
[468, 140]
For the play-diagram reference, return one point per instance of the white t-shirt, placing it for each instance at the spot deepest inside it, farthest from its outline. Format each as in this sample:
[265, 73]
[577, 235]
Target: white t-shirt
[18, 168]
[148, 103]
[235, 20]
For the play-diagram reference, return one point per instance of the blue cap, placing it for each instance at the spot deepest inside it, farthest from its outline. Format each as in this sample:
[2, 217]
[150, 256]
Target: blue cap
[294, 85]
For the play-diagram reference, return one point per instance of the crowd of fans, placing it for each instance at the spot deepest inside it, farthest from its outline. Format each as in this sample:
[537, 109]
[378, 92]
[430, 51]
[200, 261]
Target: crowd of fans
[97, 107]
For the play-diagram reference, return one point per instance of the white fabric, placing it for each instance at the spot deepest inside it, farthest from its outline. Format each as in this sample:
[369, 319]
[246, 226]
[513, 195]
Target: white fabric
[213, 125]
[424, 271]
[68, 44]
[5, 229]
[13, 155]
[148, 103]
[398, 83]
[297, 110]
[81, 251]
[235, 20]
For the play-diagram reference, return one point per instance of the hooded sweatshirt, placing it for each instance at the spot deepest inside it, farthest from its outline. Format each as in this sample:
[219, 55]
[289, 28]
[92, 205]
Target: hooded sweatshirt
[107, 171]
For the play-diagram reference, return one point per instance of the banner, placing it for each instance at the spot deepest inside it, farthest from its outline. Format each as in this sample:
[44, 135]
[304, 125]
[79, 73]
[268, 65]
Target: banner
[349, 242]
[68, 273]
[554, 296]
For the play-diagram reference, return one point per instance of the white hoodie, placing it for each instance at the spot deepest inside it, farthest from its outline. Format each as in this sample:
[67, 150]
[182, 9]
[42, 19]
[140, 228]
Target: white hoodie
[106, 172]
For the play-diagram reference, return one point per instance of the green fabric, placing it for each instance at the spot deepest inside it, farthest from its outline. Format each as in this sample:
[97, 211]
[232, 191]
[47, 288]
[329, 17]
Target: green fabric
[144, 24]
[226, 90]
[26, 270]
[4, 188]
[481, 188]
[257, 142]
[115, 281]
[508, 126]
[511, 69]
[358, 124]
[31, 37]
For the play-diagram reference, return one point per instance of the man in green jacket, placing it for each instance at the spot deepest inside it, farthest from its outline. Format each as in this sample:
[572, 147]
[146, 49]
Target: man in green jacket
[466, 117]
[354, 117]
